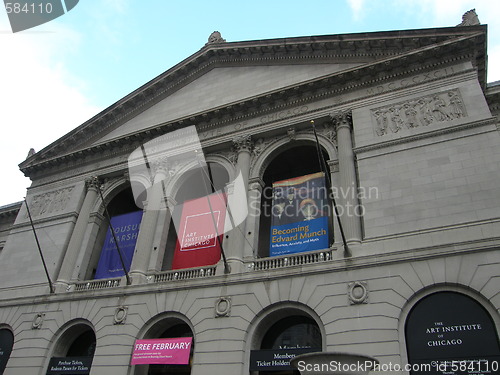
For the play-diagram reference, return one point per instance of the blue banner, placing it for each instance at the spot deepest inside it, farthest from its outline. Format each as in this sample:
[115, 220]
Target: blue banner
[299, 215]
[126, 229]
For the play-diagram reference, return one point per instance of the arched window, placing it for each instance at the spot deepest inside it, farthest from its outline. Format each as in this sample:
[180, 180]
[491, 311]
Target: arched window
[447, 326]
[167, 328]
[125, 217]
[281, 335]
[197, 184]
[75, 347]
[299, 160]
[6, 344]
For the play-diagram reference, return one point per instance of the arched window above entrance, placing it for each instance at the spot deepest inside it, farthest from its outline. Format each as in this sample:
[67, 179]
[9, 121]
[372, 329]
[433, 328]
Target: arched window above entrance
[287, 163]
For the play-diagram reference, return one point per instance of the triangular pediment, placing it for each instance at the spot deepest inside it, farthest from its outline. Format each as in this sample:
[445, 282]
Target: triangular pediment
[223, 76]
[223, 86]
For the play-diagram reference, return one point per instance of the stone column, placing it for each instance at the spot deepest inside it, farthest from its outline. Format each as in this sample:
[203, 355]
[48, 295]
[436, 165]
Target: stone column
[145, 238]
[161, 236]
[236, 242]
[333, 166]
[255, 187]
[348, 199]
[75, 242]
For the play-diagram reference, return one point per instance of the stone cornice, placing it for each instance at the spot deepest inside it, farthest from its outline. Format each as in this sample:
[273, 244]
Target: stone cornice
[428, 57]
[10, 209]
[493, 98]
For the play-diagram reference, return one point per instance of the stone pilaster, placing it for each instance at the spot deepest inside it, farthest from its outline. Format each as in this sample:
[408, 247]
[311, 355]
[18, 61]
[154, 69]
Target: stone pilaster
[75, 242]
[144, 247]
[251, 244]
[348, 199]
[235, 248]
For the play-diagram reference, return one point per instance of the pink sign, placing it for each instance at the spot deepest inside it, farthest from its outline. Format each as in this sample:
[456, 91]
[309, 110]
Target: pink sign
[162, 351]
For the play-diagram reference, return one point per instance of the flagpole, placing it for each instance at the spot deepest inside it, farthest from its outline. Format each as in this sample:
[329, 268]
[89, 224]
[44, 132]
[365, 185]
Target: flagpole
[106, 213]
[227, 269]
[323, 167]
[51, 286]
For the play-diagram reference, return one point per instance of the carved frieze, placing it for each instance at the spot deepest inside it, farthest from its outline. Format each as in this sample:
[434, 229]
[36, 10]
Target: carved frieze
[424, 111]
[47, 203]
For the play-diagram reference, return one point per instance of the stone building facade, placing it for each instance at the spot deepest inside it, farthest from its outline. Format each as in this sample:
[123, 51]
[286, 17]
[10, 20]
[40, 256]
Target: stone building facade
[406, 121]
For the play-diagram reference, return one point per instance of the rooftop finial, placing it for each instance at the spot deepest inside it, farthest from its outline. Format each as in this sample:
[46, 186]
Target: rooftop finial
[215, 38]
[470, 18]
[31, 153]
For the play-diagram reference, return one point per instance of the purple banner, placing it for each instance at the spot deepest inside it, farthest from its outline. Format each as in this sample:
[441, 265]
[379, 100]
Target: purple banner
[126, 229]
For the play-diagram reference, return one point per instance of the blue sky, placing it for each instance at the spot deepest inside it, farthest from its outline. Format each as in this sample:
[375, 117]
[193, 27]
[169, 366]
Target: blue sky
[56, 76]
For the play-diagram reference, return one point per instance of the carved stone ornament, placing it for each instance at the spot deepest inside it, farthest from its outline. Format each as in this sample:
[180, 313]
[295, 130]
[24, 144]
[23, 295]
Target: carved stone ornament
[243, 143]
[342, 118]
[38, 321]
[215, 38]
[424, 111]
[120, 315]
[48, 203]
[357, 292]
[470, 18]
[329, 131]
[223, 307]
[93, 183]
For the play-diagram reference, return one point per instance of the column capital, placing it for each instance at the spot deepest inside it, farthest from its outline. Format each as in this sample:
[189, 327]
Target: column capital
[159, 165]
[243, 143]
[93, 183]
[342, 119]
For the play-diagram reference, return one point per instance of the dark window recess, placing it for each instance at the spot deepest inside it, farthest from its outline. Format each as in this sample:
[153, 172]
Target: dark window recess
[83, 346]
[294, 332]
[292, 162]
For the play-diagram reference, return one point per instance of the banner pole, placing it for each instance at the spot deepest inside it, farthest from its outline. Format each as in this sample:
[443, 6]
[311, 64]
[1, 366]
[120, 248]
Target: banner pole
[323, 167]
[106, 213]
[51, 286]
[227, 269]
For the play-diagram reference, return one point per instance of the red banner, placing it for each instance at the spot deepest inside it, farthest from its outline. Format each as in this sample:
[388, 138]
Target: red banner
[197, 243]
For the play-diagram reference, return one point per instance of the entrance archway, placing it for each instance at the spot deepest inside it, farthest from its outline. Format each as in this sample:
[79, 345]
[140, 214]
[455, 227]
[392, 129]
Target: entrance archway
[281, 334]
[167, 327]
[74, 351]
[6, 344]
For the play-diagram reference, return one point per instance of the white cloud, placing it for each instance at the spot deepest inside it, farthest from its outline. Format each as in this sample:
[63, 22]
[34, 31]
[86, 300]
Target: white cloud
[41, 100]
[357, 7]
[494, 64]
